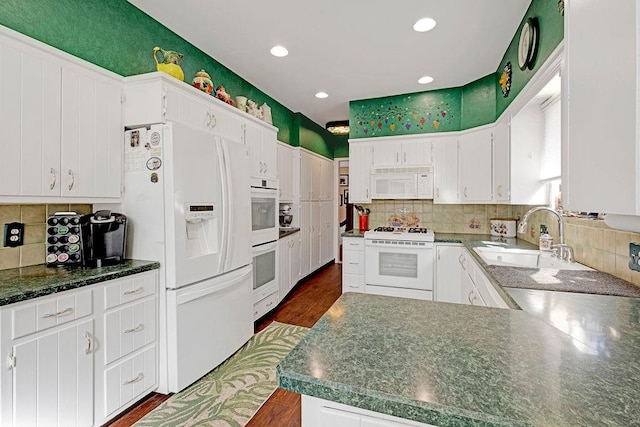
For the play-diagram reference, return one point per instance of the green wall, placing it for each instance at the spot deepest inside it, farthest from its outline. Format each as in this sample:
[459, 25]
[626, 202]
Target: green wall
[119, 37]
[474, 104]
[551, 24]
[310, 135]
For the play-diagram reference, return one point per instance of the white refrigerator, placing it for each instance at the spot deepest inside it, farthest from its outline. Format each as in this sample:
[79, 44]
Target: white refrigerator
[187, 199]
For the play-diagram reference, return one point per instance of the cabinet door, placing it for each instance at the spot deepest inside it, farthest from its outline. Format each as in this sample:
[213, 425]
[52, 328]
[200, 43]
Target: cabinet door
[305, 238]
[285, 172]
[601, 152]
[316, 230]
[53, 378]
[316, 178]
[295, 259]
[501, 163]
[446, 170]
[30, 116]
[360, 162]
[386, 153]
[474, 162]
[448, 286]
[91, 135]
[417, 152]
[284, 257]
[269, 153]
[326, 230]
[253, 140]
[327, 186]
[306, 175]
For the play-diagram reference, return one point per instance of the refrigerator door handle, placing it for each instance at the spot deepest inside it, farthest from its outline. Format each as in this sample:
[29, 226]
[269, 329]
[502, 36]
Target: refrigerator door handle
[226, 201]
[185, 295]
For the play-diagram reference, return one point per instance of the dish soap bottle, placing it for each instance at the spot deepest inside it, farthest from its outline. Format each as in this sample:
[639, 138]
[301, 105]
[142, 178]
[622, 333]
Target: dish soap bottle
[545, 239]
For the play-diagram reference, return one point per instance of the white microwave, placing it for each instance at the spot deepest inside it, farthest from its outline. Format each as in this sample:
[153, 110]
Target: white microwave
[402, 183]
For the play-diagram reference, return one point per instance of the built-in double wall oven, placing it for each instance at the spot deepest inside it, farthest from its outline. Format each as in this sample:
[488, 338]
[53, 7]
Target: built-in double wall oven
[264, 238]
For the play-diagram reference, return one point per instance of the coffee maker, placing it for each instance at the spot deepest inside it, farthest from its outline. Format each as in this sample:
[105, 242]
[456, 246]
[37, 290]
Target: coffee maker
[103, 238]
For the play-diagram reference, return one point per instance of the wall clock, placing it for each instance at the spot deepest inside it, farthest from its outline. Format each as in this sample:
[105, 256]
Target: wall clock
[528, 44]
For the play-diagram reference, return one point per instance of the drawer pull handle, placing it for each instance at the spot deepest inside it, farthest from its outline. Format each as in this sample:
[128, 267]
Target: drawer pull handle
[67, 310]
[89, 346]
[135, 380]
[354, 263]
[136, 329]
[72, 179]
[269, 304]
[54, 178]
[354, 244]
[134, 291]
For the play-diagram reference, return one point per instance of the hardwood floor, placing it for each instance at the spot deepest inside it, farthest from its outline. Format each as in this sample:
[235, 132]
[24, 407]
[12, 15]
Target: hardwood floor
[303, 307]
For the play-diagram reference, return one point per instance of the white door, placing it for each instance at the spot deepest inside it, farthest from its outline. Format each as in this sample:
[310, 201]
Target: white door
[447, 284]
[91, 135]
[285, 172]
[237, 204]
[196, 227]
[284, 260]
[30, 116]
[269, 153]
[316, 230]
[305, 238]
[417, 152]
[295, 259]
[475, 166]
[253, 140]
[501, 163]
[326, 230]
[53, 378]
[446, 170]
[306, 175]
[360, 162]
[386, 153]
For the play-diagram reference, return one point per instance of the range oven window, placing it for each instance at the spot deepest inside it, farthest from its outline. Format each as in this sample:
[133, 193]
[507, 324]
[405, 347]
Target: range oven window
[398, 264]
[263, 213]
[264, 269]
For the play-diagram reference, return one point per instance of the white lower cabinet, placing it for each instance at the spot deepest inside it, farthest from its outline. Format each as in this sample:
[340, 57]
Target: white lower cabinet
[447, 280]
[323, 413]
[352, 264]
[79, 357]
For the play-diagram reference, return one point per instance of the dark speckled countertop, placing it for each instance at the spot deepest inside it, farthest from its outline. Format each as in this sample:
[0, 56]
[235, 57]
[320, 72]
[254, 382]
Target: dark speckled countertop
[458, 365]
[557, 359]
[21, 284]
[286, 231]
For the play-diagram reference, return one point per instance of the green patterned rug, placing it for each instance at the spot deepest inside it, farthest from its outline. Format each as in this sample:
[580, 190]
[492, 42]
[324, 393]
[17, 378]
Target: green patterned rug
[233, 392]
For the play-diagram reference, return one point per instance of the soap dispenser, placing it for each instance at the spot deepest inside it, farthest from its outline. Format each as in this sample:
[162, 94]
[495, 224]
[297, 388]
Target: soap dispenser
[545, 239]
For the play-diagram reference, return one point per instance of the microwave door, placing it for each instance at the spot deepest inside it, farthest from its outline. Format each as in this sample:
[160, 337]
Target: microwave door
[193, 194]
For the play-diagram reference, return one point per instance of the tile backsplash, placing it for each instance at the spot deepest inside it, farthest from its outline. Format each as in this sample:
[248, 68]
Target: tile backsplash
[34, 218]
[594, 243]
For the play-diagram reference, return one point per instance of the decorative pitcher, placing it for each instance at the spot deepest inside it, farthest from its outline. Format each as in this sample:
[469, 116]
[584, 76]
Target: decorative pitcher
[169, 62]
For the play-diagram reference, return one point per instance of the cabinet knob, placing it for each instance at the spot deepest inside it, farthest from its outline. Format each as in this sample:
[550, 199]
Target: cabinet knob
[499, 190]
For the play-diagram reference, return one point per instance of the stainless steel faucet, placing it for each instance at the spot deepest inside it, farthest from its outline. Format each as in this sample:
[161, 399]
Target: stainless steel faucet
[561, 250]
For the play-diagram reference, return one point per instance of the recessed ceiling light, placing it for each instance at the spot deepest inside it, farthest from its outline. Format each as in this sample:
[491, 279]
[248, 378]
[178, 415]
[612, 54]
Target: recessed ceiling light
[279, 51]
[424, 24]
[425, 79]
[322, 95]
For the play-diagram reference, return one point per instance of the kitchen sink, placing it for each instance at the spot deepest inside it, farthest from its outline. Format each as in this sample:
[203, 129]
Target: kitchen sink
[514, 257]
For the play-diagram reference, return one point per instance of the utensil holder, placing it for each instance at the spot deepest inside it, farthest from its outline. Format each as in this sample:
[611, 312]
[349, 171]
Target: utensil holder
[364, 222]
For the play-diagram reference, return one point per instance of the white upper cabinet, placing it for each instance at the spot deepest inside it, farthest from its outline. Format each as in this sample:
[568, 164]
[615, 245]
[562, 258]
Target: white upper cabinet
[402, 152]
[61, 125]
[263, 153]
[501, 152]
[600, 81]
[91, 134]
[446, 170]
[360, 162]
[474, 163]
[316, 177]
[285, 171]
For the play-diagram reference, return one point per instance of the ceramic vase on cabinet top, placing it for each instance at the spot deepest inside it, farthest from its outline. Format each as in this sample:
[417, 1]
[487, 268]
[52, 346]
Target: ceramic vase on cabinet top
[169, 62]
[202, 81]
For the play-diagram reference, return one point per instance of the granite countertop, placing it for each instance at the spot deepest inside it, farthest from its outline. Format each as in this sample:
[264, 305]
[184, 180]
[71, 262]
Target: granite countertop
[286, 231]
[451, 364]
[24, 283]
[353, 233]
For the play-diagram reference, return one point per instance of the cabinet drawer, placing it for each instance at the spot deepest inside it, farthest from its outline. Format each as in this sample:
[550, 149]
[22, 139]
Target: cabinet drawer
[47, 312]
[265, 305]
[353, 262]
[129, 328]
[130, 288]
[352, 283]
[127, 381]
[353, 244]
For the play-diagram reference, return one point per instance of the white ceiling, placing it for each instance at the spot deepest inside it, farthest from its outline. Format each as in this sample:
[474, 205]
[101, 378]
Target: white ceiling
[351, 49]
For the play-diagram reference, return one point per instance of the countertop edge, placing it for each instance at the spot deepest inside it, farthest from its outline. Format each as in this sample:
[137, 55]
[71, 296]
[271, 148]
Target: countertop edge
[72, 283]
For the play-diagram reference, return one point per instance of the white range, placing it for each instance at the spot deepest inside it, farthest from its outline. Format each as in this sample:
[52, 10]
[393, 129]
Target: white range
[399, 262]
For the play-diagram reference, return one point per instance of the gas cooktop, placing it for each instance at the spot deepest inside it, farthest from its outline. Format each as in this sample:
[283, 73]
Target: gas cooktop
[401, 233]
